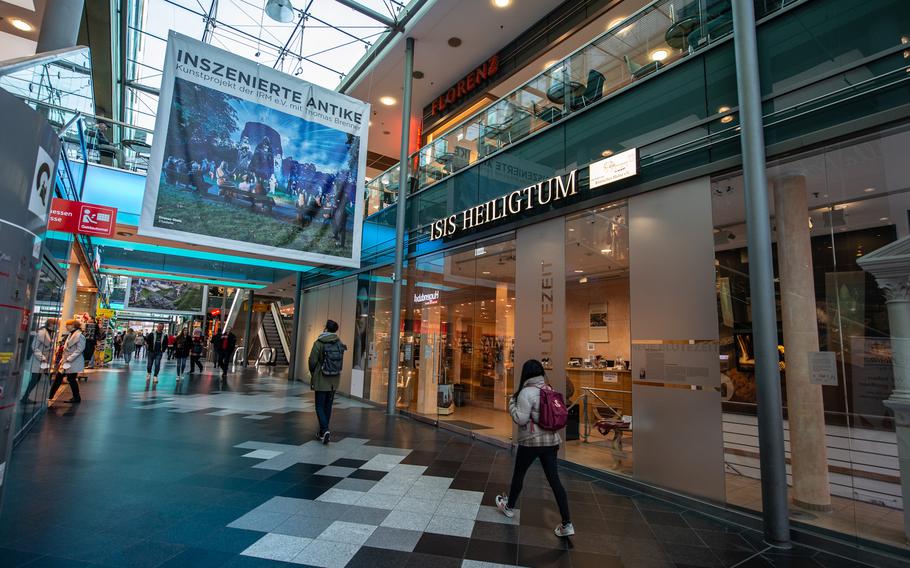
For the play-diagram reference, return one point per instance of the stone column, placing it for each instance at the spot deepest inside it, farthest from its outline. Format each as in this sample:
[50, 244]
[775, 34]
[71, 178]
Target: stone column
[60, 25]
[504, 327]
[897, 298]
[427, 376]
[805, 406]
[69, 294]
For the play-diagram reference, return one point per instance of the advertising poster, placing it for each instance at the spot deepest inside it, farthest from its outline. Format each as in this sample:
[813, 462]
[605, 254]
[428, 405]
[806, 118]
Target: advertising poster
[251, 159]
[165, 296]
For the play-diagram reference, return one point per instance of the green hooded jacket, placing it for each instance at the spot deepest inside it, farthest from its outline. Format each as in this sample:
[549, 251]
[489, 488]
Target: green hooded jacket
[319, 382]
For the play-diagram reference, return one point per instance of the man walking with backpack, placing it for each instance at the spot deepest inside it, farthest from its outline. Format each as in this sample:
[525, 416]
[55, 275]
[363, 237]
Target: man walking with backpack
[325, 362]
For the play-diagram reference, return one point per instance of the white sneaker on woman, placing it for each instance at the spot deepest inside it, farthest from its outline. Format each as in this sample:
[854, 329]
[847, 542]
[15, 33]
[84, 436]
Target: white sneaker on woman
[502, 503]
[565, 530]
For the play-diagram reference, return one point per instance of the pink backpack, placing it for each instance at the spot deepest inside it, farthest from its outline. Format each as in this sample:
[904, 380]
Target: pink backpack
[552, 412]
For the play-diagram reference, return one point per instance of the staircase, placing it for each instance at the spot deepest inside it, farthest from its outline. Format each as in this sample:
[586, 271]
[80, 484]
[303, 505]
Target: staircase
[271, 336]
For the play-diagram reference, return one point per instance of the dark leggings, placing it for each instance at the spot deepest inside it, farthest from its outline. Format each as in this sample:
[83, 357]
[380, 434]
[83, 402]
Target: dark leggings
[71, 379]
[194, 361]
[523, 461]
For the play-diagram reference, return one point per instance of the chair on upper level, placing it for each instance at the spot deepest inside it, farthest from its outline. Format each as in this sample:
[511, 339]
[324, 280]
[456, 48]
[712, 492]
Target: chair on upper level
[593, 91]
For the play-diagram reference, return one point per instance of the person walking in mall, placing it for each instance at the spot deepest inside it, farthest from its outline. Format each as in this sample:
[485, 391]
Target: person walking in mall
[42, 356]
[534, 442]
[129, 346]
[140, 343]
[118, 344]
[225, 344]
[197, 351]
[325, 362]
[183, 344]
[72, 361]
[156, 344]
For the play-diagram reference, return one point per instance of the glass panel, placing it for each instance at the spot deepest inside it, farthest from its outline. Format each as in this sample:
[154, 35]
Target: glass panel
[598, 340]
[834, 208]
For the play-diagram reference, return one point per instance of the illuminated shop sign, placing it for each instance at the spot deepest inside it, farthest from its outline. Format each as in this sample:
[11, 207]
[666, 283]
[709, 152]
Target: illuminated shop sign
[552, 190]
[463, 88]
[427, 298]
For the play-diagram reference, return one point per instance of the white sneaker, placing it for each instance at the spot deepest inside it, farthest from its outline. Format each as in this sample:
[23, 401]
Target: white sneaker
[148, 377]
[155, 380]
[502, 503]
[565, 530]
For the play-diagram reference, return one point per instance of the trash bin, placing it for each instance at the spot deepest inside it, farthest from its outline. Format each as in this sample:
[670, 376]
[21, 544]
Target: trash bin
[573, 423]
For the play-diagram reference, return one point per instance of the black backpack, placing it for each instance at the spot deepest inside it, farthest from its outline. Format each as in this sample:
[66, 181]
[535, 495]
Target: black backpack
[333, 358]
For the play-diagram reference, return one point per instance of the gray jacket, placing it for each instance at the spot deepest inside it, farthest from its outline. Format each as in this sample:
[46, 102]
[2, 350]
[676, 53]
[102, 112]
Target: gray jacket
[526, 411]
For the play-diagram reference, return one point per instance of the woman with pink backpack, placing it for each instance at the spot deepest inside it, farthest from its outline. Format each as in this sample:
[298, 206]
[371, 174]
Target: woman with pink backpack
[540, 412]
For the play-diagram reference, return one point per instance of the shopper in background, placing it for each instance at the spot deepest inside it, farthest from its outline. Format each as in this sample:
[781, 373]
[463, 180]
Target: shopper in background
[129, 345]
[42, 356]
[183, 344]
[197, 351]
[325, 364]
[534, 443]
[72, 361]
[118, 344]
[156, 343]
[170, 347]
[140, 343]
[225, 344]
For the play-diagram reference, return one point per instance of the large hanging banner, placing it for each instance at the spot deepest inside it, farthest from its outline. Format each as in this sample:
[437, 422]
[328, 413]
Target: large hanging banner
[251, 159]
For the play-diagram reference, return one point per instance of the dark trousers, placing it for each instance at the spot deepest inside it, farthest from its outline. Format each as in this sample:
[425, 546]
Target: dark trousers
[523, 460]
[324, 400]
[154, 361]
[194, 361]
[224, 359]
[71, 379]
[32, 383]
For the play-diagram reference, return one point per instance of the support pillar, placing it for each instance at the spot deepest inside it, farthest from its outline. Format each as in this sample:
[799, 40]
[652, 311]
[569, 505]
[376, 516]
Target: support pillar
[504, 329]
[71, 291]
[805, 405]
[60, 25]
[428, 373]
[775, 512]
[292, 367]
[404, 179]
[248, 328]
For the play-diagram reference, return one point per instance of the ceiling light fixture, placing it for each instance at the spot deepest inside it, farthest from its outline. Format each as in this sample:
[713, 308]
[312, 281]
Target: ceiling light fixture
[579, 271]
[883, 219]
[606, 250]
[869, 190]
[615, 22]
[502, 3]
[606, 153]
[387, 101]
[583, 280]
[280, 10]
[21, 25]
[659, 54]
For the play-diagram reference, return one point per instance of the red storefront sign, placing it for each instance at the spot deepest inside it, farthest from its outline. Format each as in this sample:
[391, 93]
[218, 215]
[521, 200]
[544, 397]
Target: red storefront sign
[82, 218]
[463, 88]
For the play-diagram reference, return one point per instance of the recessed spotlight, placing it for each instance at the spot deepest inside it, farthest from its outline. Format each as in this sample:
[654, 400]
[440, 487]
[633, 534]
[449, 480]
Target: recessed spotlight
[606, 153]
[502, 3]
[387, 101]
[21, 25]
[727, 119]
[883, 219]
[551, 63]
[417, 74]
[571, 230]
[579, 271]
[454, 41]
[869, 190]
[583, 280]
[659, 54]
[606, 250]
[386, 132]
[615, 22]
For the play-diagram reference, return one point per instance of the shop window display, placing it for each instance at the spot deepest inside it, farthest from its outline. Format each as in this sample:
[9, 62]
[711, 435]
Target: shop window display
[832, 208]
[598, 377]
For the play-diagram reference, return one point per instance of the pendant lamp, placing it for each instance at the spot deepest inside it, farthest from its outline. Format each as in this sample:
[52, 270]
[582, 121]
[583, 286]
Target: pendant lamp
[280, 10]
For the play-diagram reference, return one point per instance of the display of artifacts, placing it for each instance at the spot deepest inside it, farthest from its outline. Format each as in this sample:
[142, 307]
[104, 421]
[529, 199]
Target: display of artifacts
[251, 159]
[575, 362]
[598, 326]
[726, 301]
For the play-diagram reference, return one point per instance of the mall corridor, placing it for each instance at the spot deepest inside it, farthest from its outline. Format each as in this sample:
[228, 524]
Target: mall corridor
[228, 474]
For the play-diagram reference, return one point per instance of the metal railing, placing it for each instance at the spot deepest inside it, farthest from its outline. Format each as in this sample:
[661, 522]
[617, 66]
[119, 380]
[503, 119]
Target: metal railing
[582, 401]
[266, 356]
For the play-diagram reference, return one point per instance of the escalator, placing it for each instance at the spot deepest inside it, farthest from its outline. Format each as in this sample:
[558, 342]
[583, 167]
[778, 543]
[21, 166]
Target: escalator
[273, 337]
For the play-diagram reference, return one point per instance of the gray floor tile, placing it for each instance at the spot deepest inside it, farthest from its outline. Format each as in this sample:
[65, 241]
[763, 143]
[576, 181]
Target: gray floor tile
[298, 525]
[461, 496]
[362, 485]
[492, 515]
[390, 488]
[451, 526]
[342, 496]
[426, 493]
[287, 505]
[351, 533]
[433, 482]
[263, 521]
[460, 510]
[417, 505]
[407, 520]
[378, 501]
[365, 515]
[336, 471]
[277, 547]
[478, 564]
[327, 554]
[394, 539]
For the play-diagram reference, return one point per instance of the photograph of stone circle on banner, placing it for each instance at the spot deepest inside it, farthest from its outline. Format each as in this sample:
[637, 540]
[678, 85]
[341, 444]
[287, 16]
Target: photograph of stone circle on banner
[165, 296]
[238, 170]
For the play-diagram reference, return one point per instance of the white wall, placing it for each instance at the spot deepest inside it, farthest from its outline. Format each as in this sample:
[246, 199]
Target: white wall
[12, 46]
[337, 301]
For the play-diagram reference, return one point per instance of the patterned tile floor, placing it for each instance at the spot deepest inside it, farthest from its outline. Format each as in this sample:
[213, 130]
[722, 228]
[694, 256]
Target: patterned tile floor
[214, 474]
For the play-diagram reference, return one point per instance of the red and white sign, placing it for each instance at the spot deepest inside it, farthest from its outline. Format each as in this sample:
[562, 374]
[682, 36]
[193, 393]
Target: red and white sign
[82, 218]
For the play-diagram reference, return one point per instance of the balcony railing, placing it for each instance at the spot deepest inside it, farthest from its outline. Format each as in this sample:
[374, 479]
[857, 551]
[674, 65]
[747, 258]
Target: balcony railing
[657, 36]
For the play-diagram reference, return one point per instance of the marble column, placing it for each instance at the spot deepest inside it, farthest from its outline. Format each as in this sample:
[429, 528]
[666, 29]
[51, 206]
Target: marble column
[897, 298]
[70, 292]
[428, 376]
[805, 406]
